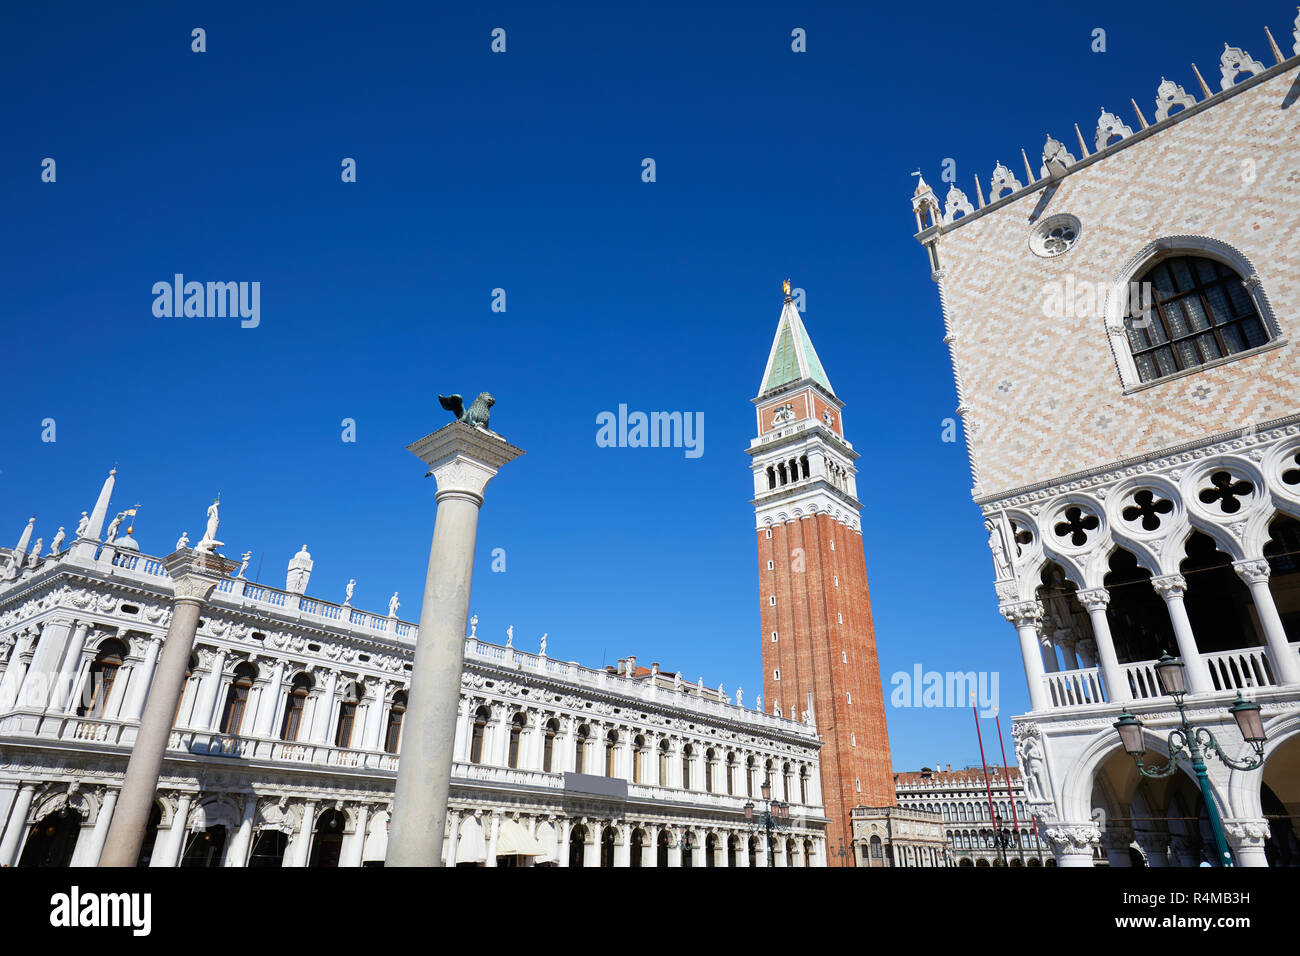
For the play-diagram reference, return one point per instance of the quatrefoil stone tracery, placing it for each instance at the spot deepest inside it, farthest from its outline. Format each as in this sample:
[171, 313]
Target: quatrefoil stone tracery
[1075, 525]
[1146, 509]
[1226, 491]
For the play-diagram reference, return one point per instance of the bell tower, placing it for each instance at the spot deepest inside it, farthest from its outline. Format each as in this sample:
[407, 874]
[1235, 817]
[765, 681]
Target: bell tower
[819, 644]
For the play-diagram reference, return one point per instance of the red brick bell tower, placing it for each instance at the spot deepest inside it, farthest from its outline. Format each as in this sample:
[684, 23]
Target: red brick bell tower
[819, 644]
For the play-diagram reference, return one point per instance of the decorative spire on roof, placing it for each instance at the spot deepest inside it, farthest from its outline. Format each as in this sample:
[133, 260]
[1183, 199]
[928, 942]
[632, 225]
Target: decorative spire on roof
[792, 357]
[1234, 62]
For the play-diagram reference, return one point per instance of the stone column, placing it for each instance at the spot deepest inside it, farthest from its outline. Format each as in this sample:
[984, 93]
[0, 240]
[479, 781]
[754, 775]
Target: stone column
[562, 842]
[623, 849]
[269, 703]
[1073, 845]
[1247, 837]
[64, 694]
[1283, 654]
[16, 829]
[323, 713]
[374, 715]
[38, 683]
[1025, 618]
[168, 855]
[462, 459]
[302, 847]
[1172, 587]
[453, 831]
[100, 833]
[19, 656]
[194, 575]
[242, 841]
[357, 846]
[207, 702]
[1096, 601]
[141, 677]
[494, 830]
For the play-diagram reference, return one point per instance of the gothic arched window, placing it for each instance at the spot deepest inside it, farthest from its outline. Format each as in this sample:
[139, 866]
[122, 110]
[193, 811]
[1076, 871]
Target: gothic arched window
[347, 716]
[638, 763]
[395, 715]
[103, 674]
[293, 710]
[580, 749]
[481, 717]
[1188, 311]
[516, 734]
[548, 745]
[232, 715]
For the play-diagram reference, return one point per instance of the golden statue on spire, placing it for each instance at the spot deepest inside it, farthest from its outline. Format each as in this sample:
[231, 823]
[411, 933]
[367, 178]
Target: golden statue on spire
[785, 287]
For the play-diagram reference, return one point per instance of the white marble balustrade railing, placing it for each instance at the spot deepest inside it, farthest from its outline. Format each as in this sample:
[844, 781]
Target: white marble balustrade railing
[1077, 688]
[1240, 669]
[642, 688]
[507, 776]
[264, 748]
[1142, 681]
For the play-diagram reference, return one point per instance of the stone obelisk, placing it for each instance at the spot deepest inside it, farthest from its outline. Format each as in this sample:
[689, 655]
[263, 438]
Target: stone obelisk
[462, 459]
[194, 573]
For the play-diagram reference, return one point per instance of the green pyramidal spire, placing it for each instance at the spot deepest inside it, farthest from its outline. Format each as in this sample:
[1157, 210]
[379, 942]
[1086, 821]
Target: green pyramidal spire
[793, 357]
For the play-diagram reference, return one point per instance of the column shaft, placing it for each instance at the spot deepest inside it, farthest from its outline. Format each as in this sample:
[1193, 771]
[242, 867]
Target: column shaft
[424, 771]
[126, 833]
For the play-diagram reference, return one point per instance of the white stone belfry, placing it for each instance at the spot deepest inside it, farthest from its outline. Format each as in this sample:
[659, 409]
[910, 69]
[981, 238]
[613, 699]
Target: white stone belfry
[462, 460]
[300, 566]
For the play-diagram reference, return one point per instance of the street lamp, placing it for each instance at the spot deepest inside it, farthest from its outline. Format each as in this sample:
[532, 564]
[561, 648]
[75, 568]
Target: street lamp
[775, 815]
[1192, 742]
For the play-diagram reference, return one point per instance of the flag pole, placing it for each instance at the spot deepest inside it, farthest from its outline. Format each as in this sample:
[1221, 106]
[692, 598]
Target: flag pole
[993, 819]
[1006, 775]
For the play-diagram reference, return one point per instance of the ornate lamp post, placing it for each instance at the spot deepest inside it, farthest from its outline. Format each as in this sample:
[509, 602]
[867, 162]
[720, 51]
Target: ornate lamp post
[1191, 742]
[842, 853]
[775, 815]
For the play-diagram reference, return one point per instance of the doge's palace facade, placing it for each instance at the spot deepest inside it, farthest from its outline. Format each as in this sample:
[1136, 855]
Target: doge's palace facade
[1121, 326]
[286, 740]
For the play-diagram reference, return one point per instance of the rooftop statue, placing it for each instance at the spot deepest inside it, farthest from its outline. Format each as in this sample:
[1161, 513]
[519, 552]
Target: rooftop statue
[209, 542]
[476, 414]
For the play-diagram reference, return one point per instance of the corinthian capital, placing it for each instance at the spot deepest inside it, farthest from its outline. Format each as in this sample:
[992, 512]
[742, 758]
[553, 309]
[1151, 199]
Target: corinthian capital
[195, 574]
[1252, 571]
[1170, 585]
[1094, 599]
[1074, 839]
[1023, 614]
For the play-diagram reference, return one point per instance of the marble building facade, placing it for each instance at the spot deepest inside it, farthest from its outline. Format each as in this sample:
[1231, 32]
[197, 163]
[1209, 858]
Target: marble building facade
[1121, 325]
[286, 741]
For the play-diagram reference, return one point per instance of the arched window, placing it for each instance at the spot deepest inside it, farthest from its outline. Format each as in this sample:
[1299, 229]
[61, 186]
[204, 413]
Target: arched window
[580, 749]
[731, 774]
[638, 762]
[232, 715]
[749, 775]
[664, 753]
[481, 718]
[347, 715]
[548, 745]
[297, 703]
[1187, 311]
[787, 782]
[687, 753]
[611, 749]
[803, 784]
[709, 757]
[103, 674]
[396, 712]
[516, 733]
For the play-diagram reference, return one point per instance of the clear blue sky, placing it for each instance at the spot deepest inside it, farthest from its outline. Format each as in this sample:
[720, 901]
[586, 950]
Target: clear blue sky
[522, 171]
